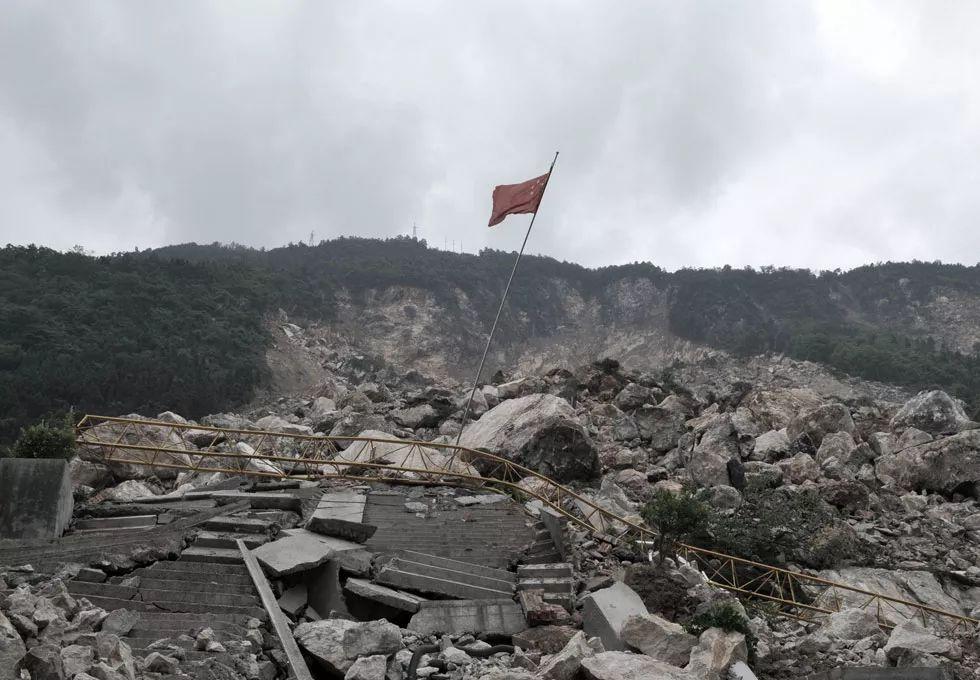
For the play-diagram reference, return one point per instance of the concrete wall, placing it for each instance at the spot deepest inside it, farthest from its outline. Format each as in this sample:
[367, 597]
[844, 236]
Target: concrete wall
[554, 523]
[35, 498]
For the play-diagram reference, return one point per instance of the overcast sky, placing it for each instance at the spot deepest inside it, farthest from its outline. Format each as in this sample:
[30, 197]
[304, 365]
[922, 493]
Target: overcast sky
[819, 135]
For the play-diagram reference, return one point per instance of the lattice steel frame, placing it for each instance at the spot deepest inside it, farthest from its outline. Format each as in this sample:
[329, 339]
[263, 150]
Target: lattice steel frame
[290, 456]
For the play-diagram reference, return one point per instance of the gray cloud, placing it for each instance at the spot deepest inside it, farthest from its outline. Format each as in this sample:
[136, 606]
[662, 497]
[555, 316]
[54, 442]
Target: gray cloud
[692, 134]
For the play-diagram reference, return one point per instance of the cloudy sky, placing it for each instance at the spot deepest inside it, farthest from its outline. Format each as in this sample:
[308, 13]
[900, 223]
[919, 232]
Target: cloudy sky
[819, 135]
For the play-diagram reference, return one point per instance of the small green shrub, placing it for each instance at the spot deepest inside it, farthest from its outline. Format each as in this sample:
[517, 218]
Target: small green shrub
[44, 440]
[729, 618]
[677, 518]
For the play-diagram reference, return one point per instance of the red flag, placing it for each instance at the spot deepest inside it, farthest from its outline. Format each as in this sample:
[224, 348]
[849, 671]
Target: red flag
[511, 199]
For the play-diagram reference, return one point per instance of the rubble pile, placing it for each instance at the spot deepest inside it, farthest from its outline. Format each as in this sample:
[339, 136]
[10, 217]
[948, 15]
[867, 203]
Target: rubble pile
[850, 482]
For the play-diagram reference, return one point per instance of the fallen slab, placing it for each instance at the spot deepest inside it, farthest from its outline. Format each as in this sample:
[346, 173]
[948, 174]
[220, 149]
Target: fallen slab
[605, 611]
[455, 617]
[382, 595]
[299, 550]
[341, 514]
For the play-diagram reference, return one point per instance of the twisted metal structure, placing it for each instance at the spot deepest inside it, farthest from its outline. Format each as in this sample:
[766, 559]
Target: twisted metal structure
[182, 446]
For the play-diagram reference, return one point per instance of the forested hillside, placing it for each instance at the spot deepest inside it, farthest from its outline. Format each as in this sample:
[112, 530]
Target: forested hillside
[183, 327]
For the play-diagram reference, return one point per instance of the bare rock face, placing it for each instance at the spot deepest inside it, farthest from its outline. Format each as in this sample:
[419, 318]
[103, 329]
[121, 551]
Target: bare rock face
[939, 466]
[540, 432]
[935, 412]
[338, 643]
[818, 422]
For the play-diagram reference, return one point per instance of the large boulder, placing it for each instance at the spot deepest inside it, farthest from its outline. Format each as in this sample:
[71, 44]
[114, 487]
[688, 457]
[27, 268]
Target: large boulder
[657, 637]
[659, 425]
[119, 435]
[635, 395]
[939, 466]
[910, 637]
[400, 453]
[851, 624]
[540, 432]
[933, 411]
[605, 611]
[566, 663]
[775, 407]
[818, 422]
[627, 666]
[708, 463]
[337, 643]
[715, 652]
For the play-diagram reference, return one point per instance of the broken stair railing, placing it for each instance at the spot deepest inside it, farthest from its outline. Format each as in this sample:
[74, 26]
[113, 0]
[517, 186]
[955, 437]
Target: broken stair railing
[131, 441]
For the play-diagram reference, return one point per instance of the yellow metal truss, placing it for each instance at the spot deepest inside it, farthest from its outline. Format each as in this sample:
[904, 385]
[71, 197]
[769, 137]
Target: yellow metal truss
[278, 455]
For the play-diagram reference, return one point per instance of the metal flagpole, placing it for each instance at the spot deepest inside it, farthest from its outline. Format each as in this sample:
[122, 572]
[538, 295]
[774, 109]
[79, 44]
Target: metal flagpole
[503, 300]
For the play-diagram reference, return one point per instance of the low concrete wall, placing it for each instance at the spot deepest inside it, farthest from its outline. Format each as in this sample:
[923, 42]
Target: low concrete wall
[35, 498]
[555, 526]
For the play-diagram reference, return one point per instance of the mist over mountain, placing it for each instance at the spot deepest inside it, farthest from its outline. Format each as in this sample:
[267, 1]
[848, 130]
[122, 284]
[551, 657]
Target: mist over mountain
[190, 327]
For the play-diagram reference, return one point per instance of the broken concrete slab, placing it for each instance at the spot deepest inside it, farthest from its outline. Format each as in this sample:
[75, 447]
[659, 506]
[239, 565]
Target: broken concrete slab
[456, 617]
[341, 514]
[389, 597]
[299, 550]
[605, 611]
[482, 499]
[293, 601]
[37, 498]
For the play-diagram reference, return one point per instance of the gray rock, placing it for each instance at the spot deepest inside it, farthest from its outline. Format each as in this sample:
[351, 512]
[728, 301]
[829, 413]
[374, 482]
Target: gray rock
[626, 666]
[422, 415]
[835, 445]
[372, 667]
[800, 468]
[910, 637]
[770, 446]
[43, 662]
[912, 437]
[155, 662]
[565, 664]
[818, 422]
[850, 624]
[715, 652]
[540, 432]
[762, 475]
[659, 638]
[939, 466]
[634, 396]
[120, 621]
[605, 611]
[11, 649]
[932, 411]
[337, 643]
[659, 425]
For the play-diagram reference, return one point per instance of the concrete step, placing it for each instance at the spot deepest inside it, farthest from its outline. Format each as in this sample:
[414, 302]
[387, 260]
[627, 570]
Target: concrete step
[262, 500]
[566, 600]
[458, 565]
[216, 585]
[145, 642]
[437, 586]
[543, 558]
[407, 565]
[212, 555]
[162, 597]
[216, 579]
[189, 655]
[162, 619]
[191, 567]
[105, 523]
[553, 570]
[212, 539]
[237, 525]
[547, 545]
[110, 603]
[548, 585]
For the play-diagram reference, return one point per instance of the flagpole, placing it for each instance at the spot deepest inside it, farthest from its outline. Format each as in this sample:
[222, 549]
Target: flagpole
[503, 300]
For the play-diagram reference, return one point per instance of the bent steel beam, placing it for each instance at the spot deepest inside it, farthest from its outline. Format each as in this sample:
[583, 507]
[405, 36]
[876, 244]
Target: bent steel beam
[160, 444]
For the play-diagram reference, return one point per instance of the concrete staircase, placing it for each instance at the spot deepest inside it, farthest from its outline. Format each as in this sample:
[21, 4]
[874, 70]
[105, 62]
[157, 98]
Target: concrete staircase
[556, 580]
[442, 577]
[543, 549]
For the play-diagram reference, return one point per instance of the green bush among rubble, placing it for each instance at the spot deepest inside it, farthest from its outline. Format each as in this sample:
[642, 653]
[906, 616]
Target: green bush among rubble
[45, 439]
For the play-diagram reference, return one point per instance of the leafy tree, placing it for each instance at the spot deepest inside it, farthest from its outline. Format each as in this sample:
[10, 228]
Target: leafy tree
[676, 517]
[45, 440]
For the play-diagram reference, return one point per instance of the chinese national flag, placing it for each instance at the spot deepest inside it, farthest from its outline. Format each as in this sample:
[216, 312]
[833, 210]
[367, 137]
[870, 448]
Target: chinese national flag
[511, 199]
